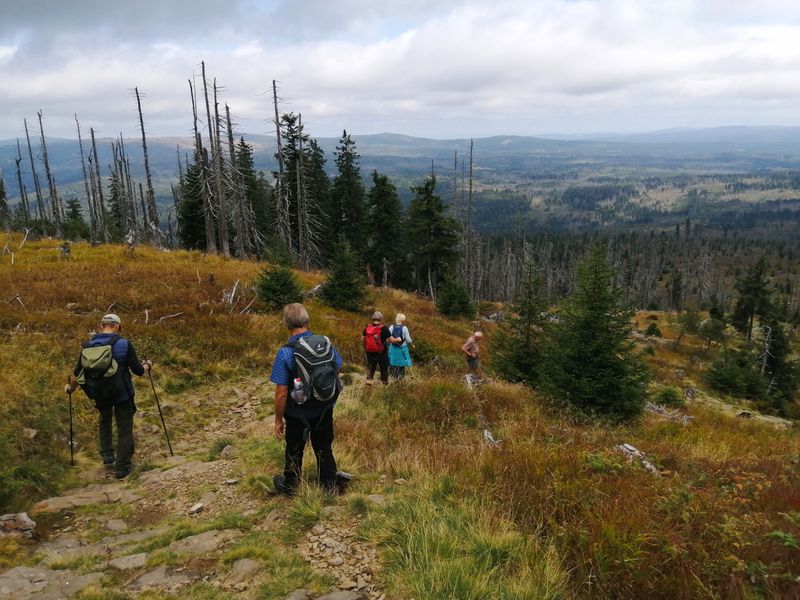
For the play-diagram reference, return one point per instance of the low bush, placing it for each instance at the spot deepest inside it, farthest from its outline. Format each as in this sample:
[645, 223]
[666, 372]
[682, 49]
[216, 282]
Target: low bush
[277, 286]
[669, 396]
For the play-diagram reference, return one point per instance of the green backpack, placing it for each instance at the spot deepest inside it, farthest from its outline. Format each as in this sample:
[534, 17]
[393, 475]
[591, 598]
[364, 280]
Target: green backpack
[100, 377]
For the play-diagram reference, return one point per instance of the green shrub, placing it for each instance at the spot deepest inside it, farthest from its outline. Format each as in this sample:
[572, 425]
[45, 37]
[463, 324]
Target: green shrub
[423, 352]
[736, 372]
[277, 286]
[669, 396]
[344, 289]
[454, 300]
[653, 330]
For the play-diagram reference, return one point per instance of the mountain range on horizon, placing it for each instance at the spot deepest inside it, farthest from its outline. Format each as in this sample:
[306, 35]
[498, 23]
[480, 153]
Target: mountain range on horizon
[501, 158]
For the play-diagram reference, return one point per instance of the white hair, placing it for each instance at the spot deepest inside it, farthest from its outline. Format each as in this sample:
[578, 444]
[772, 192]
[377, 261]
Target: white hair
[295, 316]
[400, 318]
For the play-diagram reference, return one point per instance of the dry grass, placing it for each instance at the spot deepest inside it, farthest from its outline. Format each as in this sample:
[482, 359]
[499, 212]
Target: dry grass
[554, 512]
[62, 300]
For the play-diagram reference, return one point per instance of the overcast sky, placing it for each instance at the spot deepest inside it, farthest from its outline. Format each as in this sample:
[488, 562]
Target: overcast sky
[431, 68]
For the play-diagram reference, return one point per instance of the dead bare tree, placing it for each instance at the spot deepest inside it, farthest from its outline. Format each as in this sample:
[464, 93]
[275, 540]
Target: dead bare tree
[36, 185]
[246, 237]
[101, 205]
[208, 215]
[281, 195]
[143, 205]
[454, 207]
[90, 201]
[216, 153]
[55, 202]
[151, 217]
[468, 234]
[23, 195]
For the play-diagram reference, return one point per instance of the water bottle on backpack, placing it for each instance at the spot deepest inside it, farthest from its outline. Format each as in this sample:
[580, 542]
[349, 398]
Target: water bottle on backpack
[298, 393]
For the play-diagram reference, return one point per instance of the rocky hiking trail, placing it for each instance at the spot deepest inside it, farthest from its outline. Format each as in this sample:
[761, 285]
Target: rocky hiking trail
[198, 518]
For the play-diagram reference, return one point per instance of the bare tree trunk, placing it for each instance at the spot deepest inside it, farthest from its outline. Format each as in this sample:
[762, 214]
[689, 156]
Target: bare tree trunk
[55, 203]
[455, 209]
[302, 211]
[101, 205]
[216, 153]
[468, 227]
[244, 221]
[37, 187]
[430, 283]
[23, 196]
[152, 211]
[208, 215]
[129, 185]
[281, 195]
[89, 196]
[143, 205]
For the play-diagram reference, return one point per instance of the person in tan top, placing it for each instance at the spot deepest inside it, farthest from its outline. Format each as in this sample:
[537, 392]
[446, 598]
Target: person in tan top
[471, 350]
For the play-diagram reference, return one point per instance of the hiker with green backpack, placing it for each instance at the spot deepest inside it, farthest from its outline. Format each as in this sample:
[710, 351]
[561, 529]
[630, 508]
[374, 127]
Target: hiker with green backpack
[104, 372]
[306, 376]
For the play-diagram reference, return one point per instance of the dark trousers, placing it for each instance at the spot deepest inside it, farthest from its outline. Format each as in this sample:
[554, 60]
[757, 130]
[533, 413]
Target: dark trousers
[320, 430]
[375, 360]
[398, 372]
[123, 414]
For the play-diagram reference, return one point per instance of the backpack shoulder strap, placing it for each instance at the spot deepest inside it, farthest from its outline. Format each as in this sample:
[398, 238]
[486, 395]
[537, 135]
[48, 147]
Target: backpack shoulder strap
[114, 340]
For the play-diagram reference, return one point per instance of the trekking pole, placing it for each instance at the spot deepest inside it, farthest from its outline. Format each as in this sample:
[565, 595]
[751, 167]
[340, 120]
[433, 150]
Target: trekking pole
[71, 444]
[160, 414]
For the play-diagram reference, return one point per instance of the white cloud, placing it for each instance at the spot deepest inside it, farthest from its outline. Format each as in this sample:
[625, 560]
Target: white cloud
[471, 68]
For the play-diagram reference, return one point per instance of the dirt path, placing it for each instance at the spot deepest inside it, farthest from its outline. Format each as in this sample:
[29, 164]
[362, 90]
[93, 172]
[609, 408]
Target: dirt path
[195, 519]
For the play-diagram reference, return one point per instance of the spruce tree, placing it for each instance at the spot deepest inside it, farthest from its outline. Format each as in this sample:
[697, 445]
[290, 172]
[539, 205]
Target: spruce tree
[591, 361]
[518, 357]
[348, 201]
[74, 226]
[258, 192]
[114, 219]
[453, 299]
[277, 286]
[388, 237]
[191, 222]
[780, 371]
[433, 237]
[753, 298]
[345, 287]
[318, 188]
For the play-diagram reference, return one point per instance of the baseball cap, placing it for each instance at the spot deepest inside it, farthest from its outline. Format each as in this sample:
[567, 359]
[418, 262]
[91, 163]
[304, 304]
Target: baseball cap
[112, 319]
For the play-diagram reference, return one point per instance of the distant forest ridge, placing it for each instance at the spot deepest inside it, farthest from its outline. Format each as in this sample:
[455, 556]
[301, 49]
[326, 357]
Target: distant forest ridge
[654, 179]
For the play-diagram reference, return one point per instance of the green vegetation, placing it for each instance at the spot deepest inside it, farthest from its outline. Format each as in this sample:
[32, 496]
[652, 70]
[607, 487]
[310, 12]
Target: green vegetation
[345, 288]
[518, 356]
[454, 300]
[277, 286]
[442, 545]
[591, 362]
[553, 507]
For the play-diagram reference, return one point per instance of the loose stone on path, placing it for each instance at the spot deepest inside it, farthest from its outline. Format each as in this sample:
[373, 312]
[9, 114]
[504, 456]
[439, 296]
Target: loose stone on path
[44, 584]
[92, 494]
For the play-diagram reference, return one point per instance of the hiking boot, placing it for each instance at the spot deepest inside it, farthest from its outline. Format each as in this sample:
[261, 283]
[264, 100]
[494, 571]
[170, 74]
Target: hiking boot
[123, 472]
[108, 458]
[282, 487]
[343, 480]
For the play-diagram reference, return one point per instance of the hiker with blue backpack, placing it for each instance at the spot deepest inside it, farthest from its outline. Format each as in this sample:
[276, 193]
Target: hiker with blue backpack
[104, 372]
[306, 375]
[399, 355]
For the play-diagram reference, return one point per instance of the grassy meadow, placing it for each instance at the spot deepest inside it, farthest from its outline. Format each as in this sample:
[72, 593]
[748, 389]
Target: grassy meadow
[554, 512]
